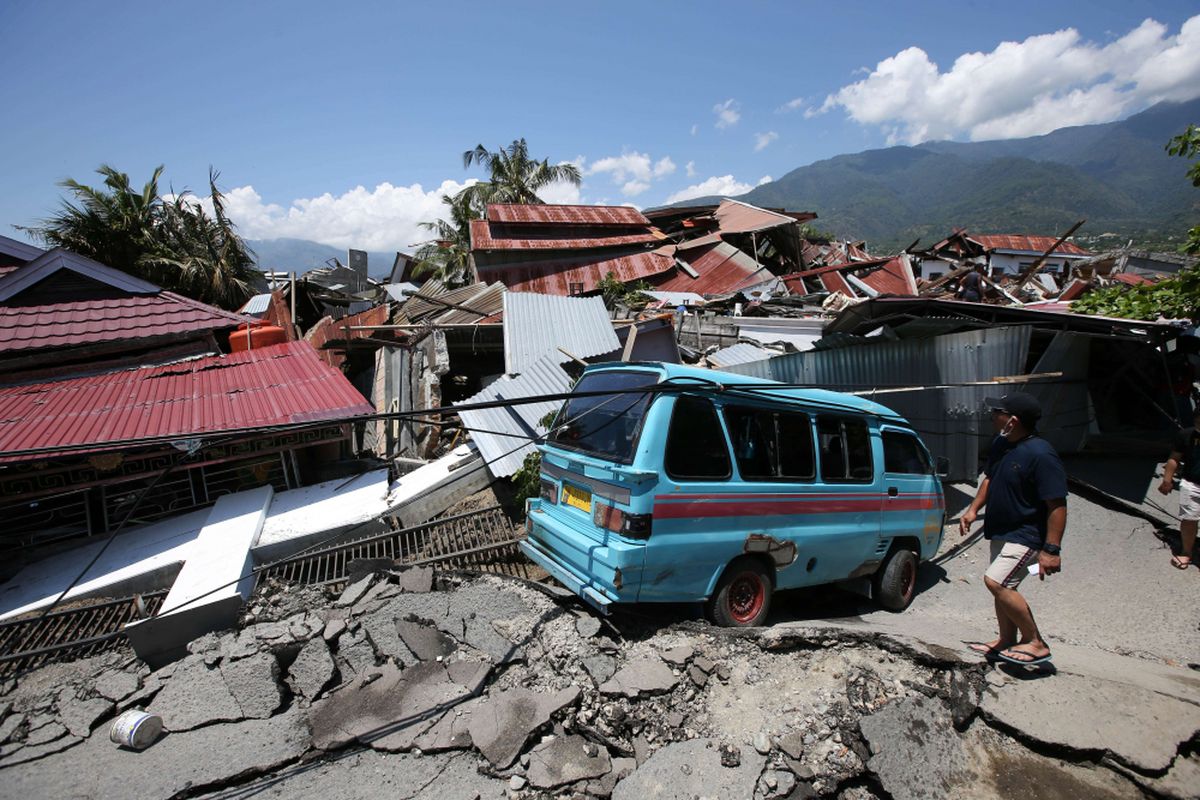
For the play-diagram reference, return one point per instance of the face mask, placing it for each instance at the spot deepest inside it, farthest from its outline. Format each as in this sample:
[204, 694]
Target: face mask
[1008, 426]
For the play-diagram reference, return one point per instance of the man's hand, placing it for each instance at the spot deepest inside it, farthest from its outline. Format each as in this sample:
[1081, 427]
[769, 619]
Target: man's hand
[966, 521]
[1048, 565]
[1165, 487]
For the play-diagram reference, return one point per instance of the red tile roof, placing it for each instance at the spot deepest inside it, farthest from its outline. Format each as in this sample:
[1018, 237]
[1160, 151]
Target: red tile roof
[1027, 244]
[556, 277]
[578, 215]
[723, 269]
[275, 385]
[482, 239]
[94, 321]
[1131, 279]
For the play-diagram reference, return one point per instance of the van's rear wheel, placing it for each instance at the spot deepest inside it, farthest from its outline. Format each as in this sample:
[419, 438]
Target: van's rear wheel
[895, 584]
[743, 595]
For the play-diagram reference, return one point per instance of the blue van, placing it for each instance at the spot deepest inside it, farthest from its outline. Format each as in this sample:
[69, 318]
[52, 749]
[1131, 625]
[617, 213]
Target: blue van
[669, 483]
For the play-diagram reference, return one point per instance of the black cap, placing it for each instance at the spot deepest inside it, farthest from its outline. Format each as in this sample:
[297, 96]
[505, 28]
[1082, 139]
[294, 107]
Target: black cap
[1020, 405]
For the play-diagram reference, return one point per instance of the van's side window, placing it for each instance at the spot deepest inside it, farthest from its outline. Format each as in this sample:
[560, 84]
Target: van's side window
[695, 443]
[771, 445]
[845, 449]
[903, 454]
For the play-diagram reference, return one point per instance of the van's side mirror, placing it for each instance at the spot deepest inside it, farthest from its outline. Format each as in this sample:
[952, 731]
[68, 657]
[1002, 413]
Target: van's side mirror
[941, 466]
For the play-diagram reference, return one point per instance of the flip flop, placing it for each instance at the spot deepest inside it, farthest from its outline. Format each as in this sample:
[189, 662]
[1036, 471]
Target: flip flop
[982, 647]
[1023, 662]
[1179, 563]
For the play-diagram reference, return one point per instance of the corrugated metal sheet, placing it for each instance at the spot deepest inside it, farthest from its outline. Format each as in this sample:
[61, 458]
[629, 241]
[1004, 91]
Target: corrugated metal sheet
[505, 435]
[565, 277]
[1027, 244]
[482, 238]
[737, 354]
[279, 384]
[734, 216]
[722, 269]
[484, 303]
[675, 299]
[536, 325]
[893, 277]
[953, 422]
[800, 333]
[580, 215]
[480, 297]
[256, 306]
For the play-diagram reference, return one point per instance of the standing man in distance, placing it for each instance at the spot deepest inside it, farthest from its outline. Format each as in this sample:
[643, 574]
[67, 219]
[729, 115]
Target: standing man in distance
[1025, 490]
[1184, 462]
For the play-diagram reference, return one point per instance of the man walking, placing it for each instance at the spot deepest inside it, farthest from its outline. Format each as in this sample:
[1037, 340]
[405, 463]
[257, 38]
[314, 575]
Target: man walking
[1184, 462]
[1025, 490]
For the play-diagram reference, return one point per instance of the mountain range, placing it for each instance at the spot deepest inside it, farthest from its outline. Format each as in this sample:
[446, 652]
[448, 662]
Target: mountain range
[301, 255]
[1118, 176]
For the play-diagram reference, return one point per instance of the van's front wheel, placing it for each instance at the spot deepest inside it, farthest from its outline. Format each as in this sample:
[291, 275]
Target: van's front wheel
[895, 584]
[743, 595]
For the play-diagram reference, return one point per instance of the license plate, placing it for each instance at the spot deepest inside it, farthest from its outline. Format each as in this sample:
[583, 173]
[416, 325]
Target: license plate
[577, 498]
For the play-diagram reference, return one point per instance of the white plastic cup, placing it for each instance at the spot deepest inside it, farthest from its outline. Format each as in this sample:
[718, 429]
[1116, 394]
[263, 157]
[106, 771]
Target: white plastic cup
[136, 729]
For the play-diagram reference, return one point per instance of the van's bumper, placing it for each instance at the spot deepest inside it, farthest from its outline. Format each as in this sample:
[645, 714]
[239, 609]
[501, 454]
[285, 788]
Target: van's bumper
[566, 577]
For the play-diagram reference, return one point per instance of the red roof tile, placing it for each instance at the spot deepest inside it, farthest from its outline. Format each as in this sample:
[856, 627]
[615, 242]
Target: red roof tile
[557, 276]
[274, 385]
[723, 269]
[482, 239]
[109, 320]
[579, 215]
[1131, 279]
[1027, 244]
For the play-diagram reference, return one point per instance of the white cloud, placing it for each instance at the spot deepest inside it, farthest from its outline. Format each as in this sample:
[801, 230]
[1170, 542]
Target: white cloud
[1024, 88]
[727, 113]
[791, 105]
[761, 140]
[695, 128]
[724, 185]
[633, 172]
[385, 218]
[691, 169]
[764, 179]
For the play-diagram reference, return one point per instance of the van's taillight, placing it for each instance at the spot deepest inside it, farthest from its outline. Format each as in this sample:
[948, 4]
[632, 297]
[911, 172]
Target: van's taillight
[634, 526]
[549, 491]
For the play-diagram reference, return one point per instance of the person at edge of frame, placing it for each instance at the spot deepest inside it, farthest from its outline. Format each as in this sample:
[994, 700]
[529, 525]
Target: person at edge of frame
[1184, 463]
[1025, 491]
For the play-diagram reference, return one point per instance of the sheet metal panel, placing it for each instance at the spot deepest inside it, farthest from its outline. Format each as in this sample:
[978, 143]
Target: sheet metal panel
[734, 216]
[722, 269]
[1027, 244]
[482, 239]
[565, 277]
[800, 333]
[536, 325]
[256, 306]
[274, 385]
[737, 354]
[953, 422]
[505, 435]
[580, 215]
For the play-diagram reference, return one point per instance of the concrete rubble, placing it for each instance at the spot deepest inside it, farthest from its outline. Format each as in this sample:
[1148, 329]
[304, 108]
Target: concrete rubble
[407, 685]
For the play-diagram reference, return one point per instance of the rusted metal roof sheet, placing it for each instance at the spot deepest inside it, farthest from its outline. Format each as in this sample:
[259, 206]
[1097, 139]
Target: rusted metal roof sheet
[1027, 244]
[578, 215]
[505, 435]
[215, 394]
[895, 276]
[435, 299]
[536, 325]
[484, 303]
[722, 269]
[482, 239]
[734, 216]
[579, 275]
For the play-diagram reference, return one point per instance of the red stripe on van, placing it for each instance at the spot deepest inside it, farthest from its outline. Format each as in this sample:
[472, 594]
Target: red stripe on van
[764, 508]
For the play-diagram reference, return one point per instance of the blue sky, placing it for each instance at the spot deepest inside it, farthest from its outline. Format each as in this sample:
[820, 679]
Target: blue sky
[344, 123]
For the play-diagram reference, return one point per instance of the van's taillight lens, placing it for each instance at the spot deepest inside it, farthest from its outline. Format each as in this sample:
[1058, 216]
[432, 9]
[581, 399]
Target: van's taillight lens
[634, 526]
[549, 491]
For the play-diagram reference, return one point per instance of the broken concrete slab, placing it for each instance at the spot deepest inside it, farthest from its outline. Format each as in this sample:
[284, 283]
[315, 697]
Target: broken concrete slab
[425, 642]
[645, 675]
[81, 716]
[600, 666]
[685, 770]
[500, 726]
[194, 696]
[415, 580]
[381, 627]
[678, 656]
[587, 625]
[1138, 727]
[312, 670]
[254, 684]
[566, 759]
[451, 732]
[179, 763]
[916, 753]
[354, 592]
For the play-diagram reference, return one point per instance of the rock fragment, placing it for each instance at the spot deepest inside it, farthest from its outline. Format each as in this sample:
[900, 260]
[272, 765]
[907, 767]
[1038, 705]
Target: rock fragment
[566, 759]
[500, 726]
[313, 670]
[662, 775]
[646, 675]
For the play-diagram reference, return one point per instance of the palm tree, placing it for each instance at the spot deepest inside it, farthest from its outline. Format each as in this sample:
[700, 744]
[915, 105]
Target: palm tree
[513, 176]
[172, 241]
[446, 257]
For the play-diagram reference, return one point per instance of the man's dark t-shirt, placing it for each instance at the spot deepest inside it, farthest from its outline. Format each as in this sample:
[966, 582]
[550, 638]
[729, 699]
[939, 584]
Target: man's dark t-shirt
[1023, 476]
[1187, 442]
[972, 287]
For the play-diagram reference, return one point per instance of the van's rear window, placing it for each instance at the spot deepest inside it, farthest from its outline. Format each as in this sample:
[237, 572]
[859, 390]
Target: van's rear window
[605, 425]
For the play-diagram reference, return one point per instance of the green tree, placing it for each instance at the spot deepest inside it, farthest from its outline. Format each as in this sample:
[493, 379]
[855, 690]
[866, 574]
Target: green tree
[172, 241]
[447, 256]
[1187, 145]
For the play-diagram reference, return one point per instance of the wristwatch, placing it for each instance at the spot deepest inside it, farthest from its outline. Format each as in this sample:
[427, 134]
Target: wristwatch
[1051, 549]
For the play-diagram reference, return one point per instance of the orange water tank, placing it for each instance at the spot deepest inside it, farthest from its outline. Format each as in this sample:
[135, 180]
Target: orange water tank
[254, 337]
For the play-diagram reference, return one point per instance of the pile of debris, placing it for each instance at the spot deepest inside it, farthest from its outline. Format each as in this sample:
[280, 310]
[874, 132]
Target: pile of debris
[493, 687]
